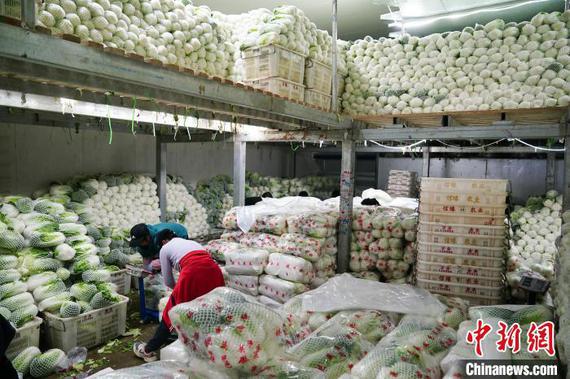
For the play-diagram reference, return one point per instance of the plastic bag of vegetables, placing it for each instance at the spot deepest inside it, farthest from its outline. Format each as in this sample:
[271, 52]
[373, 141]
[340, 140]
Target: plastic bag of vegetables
[246, 261]
[231, 330]
[290, 268]
[218, 248]
[244, 283]
[279, 289]
[301, 246]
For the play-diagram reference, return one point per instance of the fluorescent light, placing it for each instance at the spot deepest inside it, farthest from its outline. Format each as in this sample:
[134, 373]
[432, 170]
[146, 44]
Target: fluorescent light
[454, 16]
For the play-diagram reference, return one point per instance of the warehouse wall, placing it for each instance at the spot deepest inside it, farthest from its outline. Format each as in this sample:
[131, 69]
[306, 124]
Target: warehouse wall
[32, 157]
[527, 176]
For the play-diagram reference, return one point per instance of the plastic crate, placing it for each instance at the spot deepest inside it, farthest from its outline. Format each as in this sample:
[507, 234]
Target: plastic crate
[471, 251]
[122, 280]
[318, 76]
[26, 336]
[281, 87]
[478, 186]
[273, 61]
[11, 8]
[461, 260]
[471, 230]
[451, 209]
[465, 240]
[318, 99]
[471, 271]
[88, 329]
[472, 291]
[460, 198]
[450, 218]
[460, 279]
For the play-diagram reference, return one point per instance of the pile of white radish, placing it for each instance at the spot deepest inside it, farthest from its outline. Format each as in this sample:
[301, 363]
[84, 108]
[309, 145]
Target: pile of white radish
[172, 31]
[533, 243]
[494, 66]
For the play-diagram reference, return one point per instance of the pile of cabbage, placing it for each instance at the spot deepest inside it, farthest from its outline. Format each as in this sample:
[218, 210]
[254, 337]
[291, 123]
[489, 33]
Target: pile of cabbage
[494, 66]
[533, 245]
[52, 259]
[524, 315]
[383, 240]
[172, 31]
[560, 292]
[185, 209]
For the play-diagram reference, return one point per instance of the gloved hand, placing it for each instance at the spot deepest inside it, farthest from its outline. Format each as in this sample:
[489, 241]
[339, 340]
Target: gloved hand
[155, 265]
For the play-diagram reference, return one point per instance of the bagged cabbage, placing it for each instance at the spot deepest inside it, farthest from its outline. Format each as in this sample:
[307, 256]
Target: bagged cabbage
[276, 224]
[290, 268]
[301, 246]
[316, 225]
[243, 283]
[246, 261]
[279, 289]
[372, 325]
[218, 248]
[230, 330]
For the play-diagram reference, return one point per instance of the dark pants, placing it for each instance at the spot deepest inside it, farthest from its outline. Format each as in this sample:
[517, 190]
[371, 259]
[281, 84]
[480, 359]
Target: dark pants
[160, 338]
[7, 333]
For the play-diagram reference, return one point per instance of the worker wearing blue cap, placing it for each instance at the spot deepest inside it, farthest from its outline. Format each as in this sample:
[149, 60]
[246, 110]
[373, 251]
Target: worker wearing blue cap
[144, 239]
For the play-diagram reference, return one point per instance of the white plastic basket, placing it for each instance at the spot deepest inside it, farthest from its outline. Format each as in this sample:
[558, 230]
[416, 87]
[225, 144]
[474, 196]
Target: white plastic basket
[281, 87]
[460, 279]
[478, 186]
[470, 251]
[451, 218]
[318, 99]
[467, 210]
[89, 329]
[26, 336]
[464, 198]
[465, 240]
[471, 230]
[471, 271]
[461, 260]
[479, 294]
[273, 61]
[318, 76]
[122, 280]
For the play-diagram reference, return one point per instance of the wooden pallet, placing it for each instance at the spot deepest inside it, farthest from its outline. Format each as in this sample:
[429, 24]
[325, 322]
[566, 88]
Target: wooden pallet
[530, 116]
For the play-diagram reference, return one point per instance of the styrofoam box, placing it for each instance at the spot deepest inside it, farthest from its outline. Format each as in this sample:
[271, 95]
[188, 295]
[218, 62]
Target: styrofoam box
[318, 99]
[88, 329]
[471, 271]
[451, 218]
[471, 251]
[461, 260]
[465, 185]
[122, 280]
[452, 209]
[468, 241]
[281, 87]
[318, 76]
[26, 336]
[273, 61]
[461, 289]
[460, 198]
[471, 230]
[459, 279]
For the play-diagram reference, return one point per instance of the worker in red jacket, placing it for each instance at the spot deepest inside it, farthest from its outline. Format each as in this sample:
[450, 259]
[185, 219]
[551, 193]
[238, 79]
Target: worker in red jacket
[199, 274]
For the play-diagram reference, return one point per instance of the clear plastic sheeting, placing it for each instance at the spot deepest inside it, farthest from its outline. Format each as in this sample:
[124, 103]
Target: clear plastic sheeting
[279, 289]
[159, 370]
[218, 248]
[175, 352]
[246, 261]
[244, 283]
[292, 370]
[290, 268]
[372, 325]
[345, 292]
[382, 197]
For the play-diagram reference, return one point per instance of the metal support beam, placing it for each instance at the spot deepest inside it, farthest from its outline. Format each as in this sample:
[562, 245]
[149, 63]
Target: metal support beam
[297, 136]
[161, 177]
[464, 132]
[334, 104]
[345, 209]
[426, 161]
[28, 12]
[550, 170]
[239, 170]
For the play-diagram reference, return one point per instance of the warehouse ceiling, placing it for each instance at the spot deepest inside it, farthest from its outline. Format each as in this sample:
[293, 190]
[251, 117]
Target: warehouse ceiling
[359, 18]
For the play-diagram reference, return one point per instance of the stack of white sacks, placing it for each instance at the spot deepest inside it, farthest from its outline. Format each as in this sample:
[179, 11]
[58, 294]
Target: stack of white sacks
[383, 243]
[289, 247]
